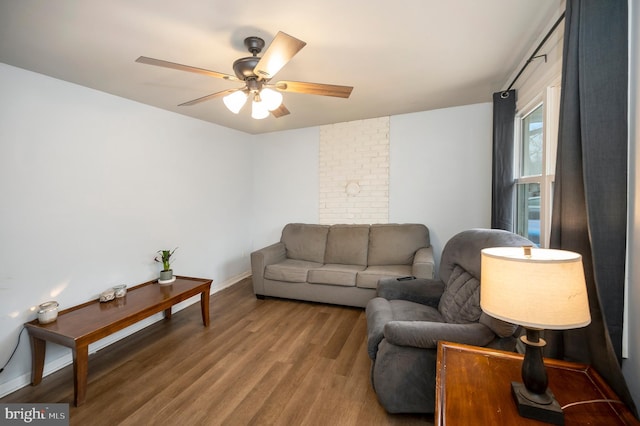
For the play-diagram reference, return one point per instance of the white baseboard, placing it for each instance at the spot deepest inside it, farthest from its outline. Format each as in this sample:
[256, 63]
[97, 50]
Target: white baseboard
[61, 362]
[231, 281]
[25, 380]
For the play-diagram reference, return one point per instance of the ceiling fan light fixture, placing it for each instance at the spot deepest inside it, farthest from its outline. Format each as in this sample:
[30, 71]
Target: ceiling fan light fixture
[235, 101]
[256, 72]
[271, 98]
[259, 110]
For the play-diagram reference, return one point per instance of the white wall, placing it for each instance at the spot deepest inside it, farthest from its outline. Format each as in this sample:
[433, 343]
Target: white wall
[631, 365]
[92, 185]
[285, 182]
[440, 172]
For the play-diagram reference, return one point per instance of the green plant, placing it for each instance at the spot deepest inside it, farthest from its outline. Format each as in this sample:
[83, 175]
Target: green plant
[165, 256]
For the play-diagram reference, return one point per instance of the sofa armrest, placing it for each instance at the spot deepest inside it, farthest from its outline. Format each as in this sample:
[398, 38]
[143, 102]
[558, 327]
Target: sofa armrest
[420, 290]
[423, 263]
[426, 334]
[274, 253]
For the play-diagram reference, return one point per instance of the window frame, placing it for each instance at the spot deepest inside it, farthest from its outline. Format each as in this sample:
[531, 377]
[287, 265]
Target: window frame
[549, 99]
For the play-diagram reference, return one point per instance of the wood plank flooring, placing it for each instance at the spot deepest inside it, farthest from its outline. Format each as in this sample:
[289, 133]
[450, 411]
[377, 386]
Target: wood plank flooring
[260, 362]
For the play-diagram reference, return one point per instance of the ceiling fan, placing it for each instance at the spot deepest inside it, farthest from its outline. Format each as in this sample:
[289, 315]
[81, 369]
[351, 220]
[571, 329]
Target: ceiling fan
[256, 72]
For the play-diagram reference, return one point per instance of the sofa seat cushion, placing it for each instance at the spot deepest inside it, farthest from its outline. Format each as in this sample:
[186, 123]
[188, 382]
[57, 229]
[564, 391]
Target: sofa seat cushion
[370, 276]
[290, 270]
[335, 274]
[404, 310]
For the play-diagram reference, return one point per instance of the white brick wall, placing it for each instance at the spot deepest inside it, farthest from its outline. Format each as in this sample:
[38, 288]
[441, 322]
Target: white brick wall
[354, 172]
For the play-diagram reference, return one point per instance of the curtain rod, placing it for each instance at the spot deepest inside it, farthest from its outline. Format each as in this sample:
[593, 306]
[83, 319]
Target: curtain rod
[505, 93]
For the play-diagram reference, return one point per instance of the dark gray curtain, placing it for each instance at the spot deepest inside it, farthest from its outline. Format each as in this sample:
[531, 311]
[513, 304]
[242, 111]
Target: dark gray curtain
[589, 206]
[502, 189]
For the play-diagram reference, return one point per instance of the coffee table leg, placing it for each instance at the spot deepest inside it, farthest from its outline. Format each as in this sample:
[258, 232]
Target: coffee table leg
[38, 349]
[80, 372]
[204, 307]
[167, 313]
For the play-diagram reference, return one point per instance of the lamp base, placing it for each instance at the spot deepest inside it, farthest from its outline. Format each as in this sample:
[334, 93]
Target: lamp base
[550, 413]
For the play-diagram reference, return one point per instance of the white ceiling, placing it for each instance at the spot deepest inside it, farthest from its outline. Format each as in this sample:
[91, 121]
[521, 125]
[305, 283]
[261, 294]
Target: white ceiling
[400, 56]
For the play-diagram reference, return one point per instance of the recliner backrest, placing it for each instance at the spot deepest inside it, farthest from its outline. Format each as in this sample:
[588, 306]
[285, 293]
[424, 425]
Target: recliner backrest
[460, 302]
[464, 249]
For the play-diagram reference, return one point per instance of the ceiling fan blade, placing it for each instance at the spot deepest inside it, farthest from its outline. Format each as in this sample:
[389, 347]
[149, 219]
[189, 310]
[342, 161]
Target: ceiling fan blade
[211, 96]
[280, 51]
[314, 88]
[280, 111]
[173, 65]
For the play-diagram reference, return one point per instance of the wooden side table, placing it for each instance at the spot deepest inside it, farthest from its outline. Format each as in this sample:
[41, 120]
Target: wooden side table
[81, 325]
[473, 387]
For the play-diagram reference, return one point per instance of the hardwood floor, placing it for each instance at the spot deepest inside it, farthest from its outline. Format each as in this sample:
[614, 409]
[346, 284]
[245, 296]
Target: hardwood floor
[261, 362]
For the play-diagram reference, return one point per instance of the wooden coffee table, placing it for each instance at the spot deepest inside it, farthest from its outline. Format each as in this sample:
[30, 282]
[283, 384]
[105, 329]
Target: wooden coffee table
[81, 325]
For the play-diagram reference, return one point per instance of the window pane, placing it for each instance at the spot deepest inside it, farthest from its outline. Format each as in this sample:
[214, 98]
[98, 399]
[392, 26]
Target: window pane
[531, 160]
[528, 211]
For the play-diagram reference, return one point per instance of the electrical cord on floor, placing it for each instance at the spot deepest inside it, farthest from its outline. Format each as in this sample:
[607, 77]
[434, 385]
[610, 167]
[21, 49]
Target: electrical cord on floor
[14, 351]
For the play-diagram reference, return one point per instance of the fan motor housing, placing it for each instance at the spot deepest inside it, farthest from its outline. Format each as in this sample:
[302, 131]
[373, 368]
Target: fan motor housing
[243, 67]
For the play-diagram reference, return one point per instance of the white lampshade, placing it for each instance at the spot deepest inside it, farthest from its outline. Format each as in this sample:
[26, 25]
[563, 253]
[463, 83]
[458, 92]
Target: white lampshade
[545, 289]
[259, 110]
[235, 101]
[271, 98]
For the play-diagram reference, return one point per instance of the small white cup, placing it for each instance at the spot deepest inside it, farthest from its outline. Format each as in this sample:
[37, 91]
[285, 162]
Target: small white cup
[48, 312]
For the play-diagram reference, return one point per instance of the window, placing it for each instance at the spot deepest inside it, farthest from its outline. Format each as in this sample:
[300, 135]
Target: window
[536, 138]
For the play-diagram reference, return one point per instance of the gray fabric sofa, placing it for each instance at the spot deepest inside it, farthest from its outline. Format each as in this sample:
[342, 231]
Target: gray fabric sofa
[340, 264]
[407, 319]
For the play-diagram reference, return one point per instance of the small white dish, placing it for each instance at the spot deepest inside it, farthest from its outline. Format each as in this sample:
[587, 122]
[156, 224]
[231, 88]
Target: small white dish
[120, 290]
[107, 295]
[166, 282]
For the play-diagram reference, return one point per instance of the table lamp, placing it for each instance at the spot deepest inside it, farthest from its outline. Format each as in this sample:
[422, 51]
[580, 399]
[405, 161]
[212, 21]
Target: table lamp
[537, 289]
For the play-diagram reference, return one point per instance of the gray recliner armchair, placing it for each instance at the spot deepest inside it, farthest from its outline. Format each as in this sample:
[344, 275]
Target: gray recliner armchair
[408, 318]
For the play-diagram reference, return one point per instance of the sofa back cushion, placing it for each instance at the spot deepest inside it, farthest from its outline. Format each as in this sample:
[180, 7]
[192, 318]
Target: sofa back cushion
[305, 241]
[395, 244]
[347, 245]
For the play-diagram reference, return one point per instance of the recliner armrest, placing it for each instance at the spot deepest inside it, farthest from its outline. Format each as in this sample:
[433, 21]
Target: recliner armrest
[426, 334]
[378, 314]
[423, 291]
